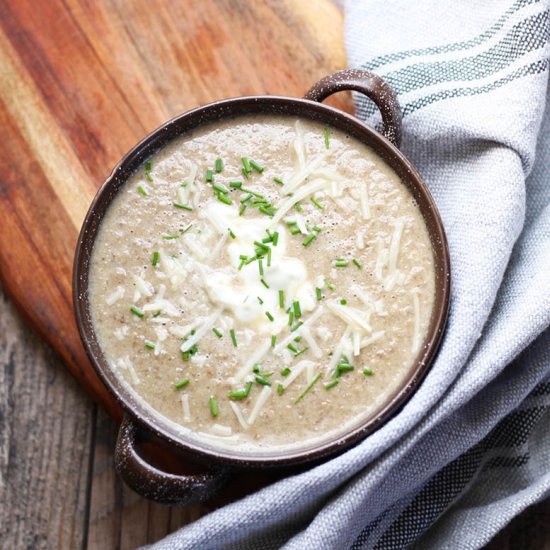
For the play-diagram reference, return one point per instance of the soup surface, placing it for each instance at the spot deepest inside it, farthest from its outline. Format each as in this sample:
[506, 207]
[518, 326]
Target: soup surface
[263, 284]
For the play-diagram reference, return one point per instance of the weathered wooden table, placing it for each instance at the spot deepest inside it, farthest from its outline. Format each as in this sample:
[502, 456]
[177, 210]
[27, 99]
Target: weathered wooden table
[80, 82]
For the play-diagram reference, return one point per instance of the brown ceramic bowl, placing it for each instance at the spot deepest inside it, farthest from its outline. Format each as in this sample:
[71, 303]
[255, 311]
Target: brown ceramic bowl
[147, 479]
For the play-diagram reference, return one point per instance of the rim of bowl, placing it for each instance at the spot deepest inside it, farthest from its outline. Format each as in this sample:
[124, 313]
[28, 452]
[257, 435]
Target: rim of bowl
[233, 108]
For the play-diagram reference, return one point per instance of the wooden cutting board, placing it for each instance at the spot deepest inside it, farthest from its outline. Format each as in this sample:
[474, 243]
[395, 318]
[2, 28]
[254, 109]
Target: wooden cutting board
[82, 82]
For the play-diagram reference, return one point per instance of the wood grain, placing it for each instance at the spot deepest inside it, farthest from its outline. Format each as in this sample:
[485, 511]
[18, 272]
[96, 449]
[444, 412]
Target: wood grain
[45, 442]
[81, 82]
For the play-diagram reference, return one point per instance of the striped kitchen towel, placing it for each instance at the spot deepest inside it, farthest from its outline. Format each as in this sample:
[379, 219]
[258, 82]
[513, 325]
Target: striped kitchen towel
[471, 449]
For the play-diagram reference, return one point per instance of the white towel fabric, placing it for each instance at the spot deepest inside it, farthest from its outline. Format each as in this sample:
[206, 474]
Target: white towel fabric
[471, 449]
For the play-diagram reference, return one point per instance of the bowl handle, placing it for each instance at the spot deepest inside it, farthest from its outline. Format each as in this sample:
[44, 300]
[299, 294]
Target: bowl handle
[373, 87]
[154, 484]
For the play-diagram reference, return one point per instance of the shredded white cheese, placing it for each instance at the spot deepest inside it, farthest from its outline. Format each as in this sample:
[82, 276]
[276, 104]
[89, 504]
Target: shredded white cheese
[375, 337]
[381, 259]
[307, 324]
[416, 336]
[299, 177]
[115, 296]
[258, 406]
[296, 371]
[351, 316]
[236, 409]
[289, 202]
[219, 429]
[364, 200]
[308, 337]
[360, 239]
[186, 408]
[125, 363]
[394, 245]
[206, 327]
[219, 439]
[337, 354]
[256, 357]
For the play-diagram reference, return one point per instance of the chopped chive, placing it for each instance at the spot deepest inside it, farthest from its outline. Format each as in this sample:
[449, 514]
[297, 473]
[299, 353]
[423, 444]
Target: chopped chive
[261, 267]
[294, 231]
[232, 235]
[149, 345]
[300, 352]
[264, 283]
[298, 339]
[155, 260]
[282, 299]
[330, 384]
[357, 263]
[218, 166]
[136, 311]
[169, 237]
[260, 301]
[183, 206]
[262, 380]
[182, 383]
[186, 229]
[319, 294]
[157, 313]
[317, 203]
[298, 207]
[269, 316]
[275, 238]
[240, 394]
[235, 184]
[269, 258]
[254, 193]
[142, 191]
[290, 318]
[368, 372]
[329, 285]
[214, 407]
[285, 372]
[148, 174]
[316, 228]
[278, 181]
[292, 348]
[256, 368]
[217, 332]
[233, 337]
[343, 367]
[256, 166]
[296, 326]
[343, 301]
[209, 176]
[246, 165]
[327, 138]
[261, 245]
[224, 198]
[242, 209]
[340, 263]
[308, 388]
[220, 188]
[297, 310]
[308, 239]
[280, 389]
[273, 341]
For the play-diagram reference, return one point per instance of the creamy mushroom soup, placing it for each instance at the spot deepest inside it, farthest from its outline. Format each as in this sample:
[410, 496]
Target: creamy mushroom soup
[264, 284]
